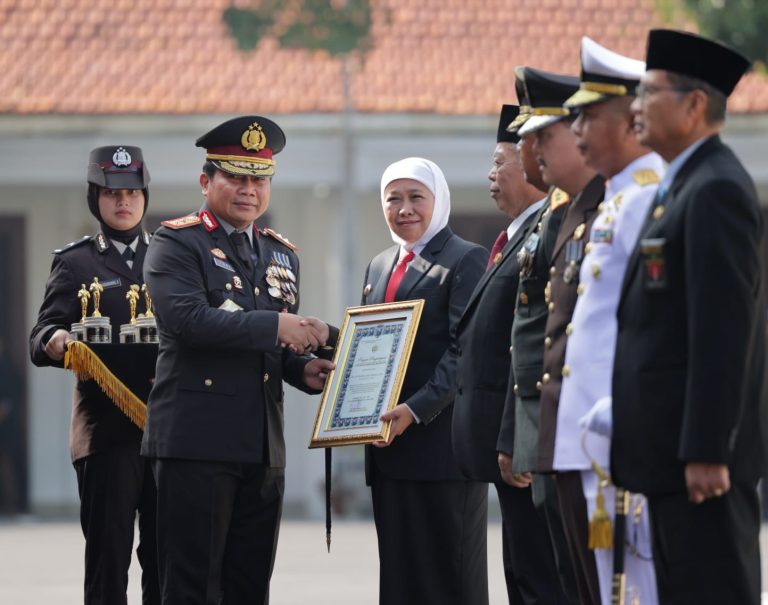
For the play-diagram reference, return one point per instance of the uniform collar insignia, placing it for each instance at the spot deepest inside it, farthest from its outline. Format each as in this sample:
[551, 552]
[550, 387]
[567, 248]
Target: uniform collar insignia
[102, 243]
[209, 221]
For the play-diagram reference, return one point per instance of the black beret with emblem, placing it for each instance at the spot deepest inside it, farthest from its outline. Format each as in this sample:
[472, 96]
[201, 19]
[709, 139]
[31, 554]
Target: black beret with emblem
[118, 167]
[507, 116]
[244, 145]
[691, 55]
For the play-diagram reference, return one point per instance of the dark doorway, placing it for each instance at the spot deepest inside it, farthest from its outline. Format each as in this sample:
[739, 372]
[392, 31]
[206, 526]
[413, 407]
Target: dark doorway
[13, 364]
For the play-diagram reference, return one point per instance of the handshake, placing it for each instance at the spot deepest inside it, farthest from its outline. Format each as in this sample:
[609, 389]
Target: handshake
[301, 334]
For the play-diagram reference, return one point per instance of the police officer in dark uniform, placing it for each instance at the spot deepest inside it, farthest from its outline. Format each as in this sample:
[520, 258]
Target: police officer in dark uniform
[114, 482]
[561, 166]
[225, 295]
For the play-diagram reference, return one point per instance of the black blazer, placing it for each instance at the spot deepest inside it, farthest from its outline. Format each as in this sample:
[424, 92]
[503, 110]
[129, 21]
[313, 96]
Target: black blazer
[687, 382]
[218, 392]
[444, 275]
[97, 424]
[482, 342]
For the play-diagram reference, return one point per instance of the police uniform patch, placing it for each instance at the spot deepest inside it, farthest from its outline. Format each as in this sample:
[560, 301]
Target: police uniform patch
[645, 177]
[280, 238]
[71, 245]
[557, 198]
[182, 222]
[602, 236]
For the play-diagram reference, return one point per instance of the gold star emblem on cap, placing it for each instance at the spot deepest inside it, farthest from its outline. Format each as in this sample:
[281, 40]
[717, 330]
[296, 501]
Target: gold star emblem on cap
[253, 138]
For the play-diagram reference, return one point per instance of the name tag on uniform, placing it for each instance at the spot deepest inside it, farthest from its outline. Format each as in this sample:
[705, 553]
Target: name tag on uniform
[223, 264]
[654, 266]
[602, 236]
[111, 283]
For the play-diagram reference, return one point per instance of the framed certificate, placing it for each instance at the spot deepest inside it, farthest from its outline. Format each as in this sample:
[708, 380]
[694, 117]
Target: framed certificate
[371, 358]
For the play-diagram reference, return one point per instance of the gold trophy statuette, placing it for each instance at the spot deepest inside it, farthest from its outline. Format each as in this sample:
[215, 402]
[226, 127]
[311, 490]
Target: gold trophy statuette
[147, 300]
[133, 296]
[96, 288]
[83, 295]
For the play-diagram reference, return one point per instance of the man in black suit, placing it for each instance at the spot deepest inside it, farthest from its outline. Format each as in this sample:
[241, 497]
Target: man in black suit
[114, 481]
[687, 404]
[225, 298]
[482, 346]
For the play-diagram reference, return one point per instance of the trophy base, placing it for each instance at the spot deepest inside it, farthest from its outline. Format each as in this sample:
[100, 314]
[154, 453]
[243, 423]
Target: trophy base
[97, 330]
[129, 334]
[77, 332]
[147, 327]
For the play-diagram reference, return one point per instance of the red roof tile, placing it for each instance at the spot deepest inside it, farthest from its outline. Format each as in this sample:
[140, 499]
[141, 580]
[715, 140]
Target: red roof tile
[176, 56]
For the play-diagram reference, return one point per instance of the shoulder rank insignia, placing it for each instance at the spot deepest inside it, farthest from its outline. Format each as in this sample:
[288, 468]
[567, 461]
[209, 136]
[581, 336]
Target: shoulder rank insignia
[557, 198]
[75, 244]
[645, 177]
[182, 222]
[280, 238]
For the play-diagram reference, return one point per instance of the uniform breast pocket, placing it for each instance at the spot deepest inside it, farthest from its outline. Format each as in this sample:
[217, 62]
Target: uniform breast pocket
[225, 285]
[207, 380]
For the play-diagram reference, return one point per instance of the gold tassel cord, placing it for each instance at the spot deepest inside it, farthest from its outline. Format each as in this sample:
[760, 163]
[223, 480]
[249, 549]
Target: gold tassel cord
[600, 526]
[81, 359]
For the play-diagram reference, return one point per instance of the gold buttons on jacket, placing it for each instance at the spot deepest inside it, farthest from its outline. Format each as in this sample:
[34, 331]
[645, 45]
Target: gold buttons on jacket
[566, 371]
[552, 271]
[548, 342]
[228, 286]
[580, 289]
[517, 390]
[551, 307]
[266, 376]
[545, 379]
[587, 247]
[208, 382]
[596, 271]
[511, 349]
[256, 291]
[658, 212]
[569, 329]
[539, 386]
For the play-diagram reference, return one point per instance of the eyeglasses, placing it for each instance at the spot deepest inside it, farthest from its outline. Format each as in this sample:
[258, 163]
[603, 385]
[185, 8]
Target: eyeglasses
[645, 90]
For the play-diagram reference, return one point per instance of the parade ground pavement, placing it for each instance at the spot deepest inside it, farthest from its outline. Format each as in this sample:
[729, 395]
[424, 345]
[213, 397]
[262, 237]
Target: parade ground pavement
[41, 564]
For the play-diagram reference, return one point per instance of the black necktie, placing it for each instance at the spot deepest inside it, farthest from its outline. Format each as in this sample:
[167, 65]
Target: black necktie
[243, 248]
[128, 255]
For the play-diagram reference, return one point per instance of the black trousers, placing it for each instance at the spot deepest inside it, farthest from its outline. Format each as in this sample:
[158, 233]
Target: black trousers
[433, 541]
[114, 485]
[217, 528]
[573, 508]
[707, 553]
[529, 561]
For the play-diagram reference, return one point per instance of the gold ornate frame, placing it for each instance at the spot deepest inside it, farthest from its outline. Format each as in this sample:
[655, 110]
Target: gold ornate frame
[362, 327]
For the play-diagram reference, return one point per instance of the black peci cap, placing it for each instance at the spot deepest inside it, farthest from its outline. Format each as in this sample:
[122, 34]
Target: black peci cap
[692, 55]
[244, 145]
[506, 117]
[118, 167]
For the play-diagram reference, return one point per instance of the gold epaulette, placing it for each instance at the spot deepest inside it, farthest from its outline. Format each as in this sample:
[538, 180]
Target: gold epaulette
[280, 238]
[557, 198]
[645, 177]
[182, 221]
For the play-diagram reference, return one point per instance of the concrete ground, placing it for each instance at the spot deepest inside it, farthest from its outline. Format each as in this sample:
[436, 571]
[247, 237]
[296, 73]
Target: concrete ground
[41, 563]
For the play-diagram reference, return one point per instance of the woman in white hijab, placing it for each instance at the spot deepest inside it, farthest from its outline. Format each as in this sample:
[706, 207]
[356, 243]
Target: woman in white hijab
[431, 523]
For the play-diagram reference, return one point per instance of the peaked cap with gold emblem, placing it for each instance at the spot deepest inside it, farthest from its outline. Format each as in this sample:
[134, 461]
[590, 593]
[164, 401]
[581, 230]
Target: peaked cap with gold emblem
[546, 92]
[522, 98]
[508, 115]
[244, 146]
[604, 75]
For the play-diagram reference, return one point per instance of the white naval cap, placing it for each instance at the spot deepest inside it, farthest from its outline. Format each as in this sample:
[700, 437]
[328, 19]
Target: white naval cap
[604, 74]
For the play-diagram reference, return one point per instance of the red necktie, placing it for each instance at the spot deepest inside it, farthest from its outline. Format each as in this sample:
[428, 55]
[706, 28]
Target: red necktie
[500, 242]
[397, 276]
